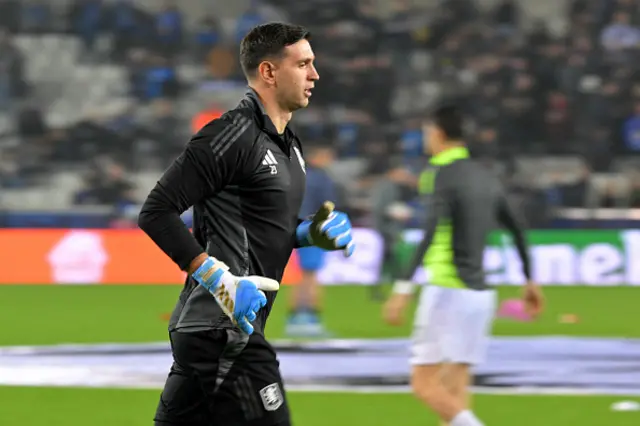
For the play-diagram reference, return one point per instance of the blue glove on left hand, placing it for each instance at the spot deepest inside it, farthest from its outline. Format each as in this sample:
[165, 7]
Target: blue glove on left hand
[328, 229]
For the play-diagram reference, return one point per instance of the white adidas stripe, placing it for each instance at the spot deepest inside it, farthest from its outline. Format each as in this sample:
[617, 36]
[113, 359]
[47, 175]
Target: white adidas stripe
[269, 159]
[272, 157]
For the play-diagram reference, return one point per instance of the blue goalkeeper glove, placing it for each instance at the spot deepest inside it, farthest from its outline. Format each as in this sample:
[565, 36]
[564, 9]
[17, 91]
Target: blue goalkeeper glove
[327, 229]
[240, 298]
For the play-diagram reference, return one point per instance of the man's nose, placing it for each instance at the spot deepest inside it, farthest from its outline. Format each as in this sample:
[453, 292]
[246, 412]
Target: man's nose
[314, 74]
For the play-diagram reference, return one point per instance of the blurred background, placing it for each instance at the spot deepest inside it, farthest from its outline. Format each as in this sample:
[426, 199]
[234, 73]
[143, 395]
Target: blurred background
[97, 97]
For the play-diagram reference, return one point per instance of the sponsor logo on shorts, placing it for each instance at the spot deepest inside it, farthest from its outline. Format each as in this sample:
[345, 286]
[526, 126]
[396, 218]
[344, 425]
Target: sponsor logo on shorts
[271, 397]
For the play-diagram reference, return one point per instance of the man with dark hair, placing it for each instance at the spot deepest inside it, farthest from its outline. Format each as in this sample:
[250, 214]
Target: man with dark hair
[456, 309]
[244, 175]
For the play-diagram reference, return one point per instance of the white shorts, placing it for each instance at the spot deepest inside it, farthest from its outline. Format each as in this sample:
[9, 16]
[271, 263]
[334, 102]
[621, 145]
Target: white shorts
[452, 326]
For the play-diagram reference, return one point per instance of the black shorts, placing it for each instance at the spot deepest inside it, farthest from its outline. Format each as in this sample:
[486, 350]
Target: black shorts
[222, 378]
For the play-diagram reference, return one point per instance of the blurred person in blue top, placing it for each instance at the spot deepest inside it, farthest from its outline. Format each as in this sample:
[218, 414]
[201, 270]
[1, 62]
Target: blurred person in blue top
[169, 28]
[207, 36]
[304, 318]
[249, 19]
[161, 79]
[126, 26]
[410, 141]
[631, 131]
[87, 19]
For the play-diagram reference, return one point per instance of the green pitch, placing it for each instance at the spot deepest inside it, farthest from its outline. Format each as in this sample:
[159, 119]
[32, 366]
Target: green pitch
[106, 407]
[98, 314]
[94, 314]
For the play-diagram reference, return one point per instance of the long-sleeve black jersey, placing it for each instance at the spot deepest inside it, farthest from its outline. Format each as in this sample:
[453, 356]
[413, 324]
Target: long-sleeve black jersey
[246, 184]
[466, 202]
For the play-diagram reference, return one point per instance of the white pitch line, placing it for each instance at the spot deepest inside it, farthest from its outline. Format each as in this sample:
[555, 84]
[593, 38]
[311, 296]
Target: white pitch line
[479, 390]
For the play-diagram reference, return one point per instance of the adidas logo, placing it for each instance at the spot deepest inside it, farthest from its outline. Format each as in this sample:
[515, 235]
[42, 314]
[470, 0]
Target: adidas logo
[270, 160]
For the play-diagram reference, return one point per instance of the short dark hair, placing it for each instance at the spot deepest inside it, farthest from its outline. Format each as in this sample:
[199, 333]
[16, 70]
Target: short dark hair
[449, 119]
[268, 41]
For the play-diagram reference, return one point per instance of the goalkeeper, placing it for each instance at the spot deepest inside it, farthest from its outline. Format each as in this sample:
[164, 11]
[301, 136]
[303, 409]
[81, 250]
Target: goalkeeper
[245, 176]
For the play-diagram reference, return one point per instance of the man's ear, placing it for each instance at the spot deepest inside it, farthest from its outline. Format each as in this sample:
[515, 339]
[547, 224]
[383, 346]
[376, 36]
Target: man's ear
[266, 72]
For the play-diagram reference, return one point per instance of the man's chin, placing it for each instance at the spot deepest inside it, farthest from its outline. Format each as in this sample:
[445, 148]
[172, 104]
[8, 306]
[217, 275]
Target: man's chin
[302, 104]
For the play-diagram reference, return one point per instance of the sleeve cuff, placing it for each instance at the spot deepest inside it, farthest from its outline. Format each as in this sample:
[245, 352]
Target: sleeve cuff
[404, 287]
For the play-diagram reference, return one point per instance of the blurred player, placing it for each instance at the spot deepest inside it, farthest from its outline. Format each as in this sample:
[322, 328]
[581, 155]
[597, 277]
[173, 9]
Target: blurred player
[456, 309]
[391, 213]
[306, 301]
[244, 175]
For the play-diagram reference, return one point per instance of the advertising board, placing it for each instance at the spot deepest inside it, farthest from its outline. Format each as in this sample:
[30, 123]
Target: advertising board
[67, 256]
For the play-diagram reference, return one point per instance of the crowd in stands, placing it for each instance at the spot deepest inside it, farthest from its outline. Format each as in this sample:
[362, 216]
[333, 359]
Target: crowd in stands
[530, 90]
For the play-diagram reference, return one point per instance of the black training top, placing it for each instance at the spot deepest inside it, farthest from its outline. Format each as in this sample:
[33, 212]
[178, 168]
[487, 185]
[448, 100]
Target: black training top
[246, 183]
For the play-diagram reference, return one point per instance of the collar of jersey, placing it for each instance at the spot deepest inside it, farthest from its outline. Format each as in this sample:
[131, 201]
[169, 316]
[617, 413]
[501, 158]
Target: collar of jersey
[267, 124]
[449, 156]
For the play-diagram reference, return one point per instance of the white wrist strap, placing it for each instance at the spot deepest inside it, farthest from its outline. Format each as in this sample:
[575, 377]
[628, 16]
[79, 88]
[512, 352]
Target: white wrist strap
[403, 287]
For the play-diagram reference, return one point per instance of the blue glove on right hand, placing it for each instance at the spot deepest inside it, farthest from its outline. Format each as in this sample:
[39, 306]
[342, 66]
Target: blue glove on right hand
[327, 229]
[240, 298]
